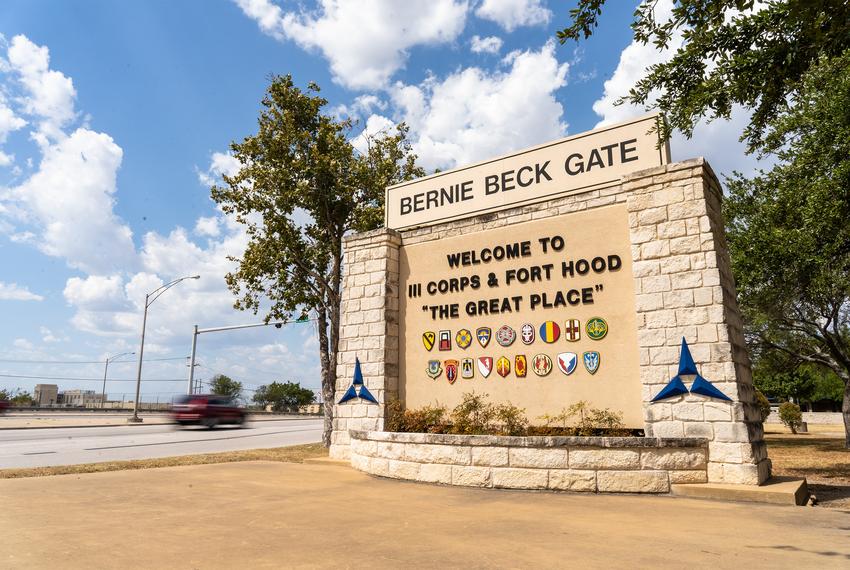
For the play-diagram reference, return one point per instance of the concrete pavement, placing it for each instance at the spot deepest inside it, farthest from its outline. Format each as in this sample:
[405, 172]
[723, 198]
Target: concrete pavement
[274, 515]
[67, 446]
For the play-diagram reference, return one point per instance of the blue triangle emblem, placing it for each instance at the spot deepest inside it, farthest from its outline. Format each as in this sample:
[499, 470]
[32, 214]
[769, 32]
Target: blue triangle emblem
[358, 375]
[675, 387]
[358, 388]
[367, 395]
[686, 361]
[706, 388]
[350, 394]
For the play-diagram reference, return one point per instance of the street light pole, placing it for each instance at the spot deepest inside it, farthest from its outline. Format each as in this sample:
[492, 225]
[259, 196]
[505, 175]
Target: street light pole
[105, 369]
[149, 300]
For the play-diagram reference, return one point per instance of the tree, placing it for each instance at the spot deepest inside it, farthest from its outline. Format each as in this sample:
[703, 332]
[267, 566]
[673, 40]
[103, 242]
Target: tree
[787, 60]
[300, 189]
[225, 386]
[731, 54]
[283, 395]
[789, 235]
[21, 398]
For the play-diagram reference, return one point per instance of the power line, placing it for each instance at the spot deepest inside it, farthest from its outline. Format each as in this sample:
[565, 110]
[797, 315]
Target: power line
[2, 375]
[90, 361]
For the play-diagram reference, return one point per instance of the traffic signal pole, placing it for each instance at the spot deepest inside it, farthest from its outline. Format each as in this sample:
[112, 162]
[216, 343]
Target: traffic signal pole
[197, 331]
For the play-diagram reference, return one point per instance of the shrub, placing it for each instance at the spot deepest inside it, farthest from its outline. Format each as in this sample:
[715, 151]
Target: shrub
[511, 420]
[428, 419]
[791, 416]
[473, 415]
[763, 405]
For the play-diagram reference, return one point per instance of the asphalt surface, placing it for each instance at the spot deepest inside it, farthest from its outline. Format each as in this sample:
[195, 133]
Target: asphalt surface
[68, 446]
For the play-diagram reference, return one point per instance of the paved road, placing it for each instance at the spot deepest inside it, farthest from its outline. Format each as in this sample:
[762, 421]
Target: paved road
[66, 446]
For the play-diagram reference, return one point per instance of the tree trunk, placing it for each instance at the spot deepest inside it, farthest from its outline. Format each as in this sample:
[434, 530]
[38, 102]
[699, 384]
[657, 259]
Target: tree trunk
[328, 376]
[845, 411]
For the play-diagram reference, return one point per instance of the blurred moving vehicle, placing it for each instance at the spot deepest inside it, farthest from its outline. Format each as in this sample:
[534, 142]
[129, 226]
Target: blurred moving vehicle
[4, 405]
[208, 410]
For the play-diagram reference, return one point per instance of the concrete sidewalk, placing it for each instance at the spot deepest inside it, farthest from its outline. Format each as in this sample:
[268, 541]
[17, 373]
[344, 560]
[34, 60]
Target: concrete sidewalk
[277, 515]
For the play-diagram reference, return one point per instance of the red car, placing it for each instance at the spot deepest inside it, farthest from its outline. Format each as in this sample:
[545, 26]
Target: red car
[207, 410]
[4, 405]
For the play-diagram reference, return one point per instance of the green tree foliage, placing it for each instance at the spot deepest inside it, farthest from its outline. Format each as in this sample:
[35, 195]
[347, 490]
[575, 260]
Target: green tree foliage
[21, 398]
[787, 61]
[283, 395]
[789, 235]
[301, 187]
[225, 386]
[731, 54]
[791, 416]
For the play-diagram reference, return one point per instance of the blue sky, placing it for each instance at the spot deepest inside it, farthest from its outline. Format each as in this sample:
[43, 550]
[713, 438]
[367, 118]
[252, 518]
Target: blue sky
[115, 117]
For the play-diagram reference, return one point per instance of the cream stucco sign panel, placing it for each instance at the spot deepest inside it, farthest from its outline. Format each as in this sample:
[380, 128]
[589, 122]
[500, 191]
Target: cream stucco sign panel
[558, 283]
[590, 160]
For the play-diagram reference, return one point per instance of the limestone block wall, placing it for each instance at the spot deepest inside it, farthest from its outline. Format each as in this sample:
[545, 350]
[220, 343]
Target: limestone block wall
[683, 286]
[588, 464]
[368, 331]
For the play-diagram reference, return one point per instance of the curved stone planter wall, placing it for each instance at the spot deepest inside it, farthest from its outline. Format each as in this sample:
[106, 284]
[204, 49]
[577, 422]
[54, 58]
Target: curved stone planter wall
[590, 464]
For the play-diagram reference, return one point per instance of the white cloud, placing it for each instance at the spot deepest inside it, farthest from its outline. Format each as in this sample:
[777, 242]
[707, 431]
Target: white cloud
[9, 121]
[221, 163]
[208, 227]
[48, 336]
[15, 292]
[717, 140]
[473, 114]
[70, 199]
[96, 292]
[490, 44]
[376, 125]
[6, 159]
[23, 344]
[365, 41]
[512, 14]
[50, 94]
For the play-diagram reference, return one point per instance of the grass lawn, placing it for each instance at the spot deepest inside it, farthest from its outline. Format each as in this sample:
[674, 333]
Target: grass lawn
[292, 454]
[821, 459]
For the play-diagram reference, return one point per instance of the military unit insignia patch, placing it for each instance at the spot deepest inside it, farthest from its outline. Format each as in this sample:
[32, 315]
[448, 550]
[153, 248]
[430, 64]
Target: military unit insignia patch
[451, 371]
[463, 338]
[428, 338]
[467, 368]
[572, 330]
[567, 362]
[596, 328]
[526, 333]
[505, 336]
[591, 361]
[445, 340]
[434, 369]
[541, 364]
[520, 365]
[503, 366]
[483, 334]
[550, 331]
[485, 365]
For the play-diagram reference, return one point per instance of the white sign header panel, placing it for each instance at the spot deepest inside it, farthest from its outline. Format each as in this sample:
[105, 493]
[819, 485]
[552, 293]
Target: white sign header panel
[579, 163]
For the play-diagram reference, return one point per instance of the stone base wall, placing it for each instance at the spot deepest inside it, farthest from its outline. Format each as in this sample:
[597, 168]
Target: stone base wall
[587, 464]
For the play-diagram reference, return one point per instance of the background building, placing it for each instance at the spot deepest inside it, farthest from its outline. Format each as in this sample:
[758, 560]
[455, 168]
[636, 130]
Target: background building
[45, 394]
